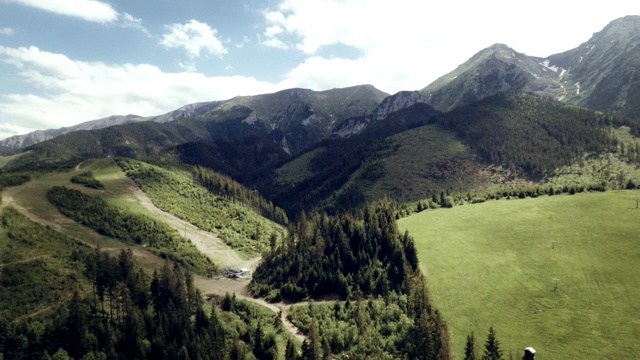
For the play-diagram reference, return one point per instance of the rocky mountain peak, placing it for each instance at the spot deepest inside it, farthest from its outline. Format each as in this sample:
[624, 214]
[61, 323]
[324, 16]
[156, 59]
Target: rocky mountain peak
[600, 74]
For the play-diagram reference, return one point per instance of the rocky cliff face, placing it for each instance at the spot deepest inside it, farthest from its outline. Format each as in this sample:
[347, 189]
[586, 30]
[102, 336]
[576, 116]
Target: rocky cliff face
[604, 72]
[495, 69]
[190, 110]
[390, 105]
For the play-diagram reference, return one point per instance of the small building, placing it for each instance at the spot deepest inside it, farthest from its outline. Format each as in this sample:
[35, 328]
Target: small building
[244, 273]
[529, 353]
[238, 274]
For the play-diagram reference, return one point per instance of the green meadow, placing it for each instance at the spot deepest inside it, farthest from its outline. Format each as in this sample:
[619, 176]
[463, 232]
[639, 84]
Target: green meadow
[558, 273]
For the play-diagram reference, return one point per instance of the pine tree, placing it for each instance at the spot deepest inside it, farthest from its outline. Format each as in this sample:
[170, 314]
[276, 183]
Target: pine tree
[470, 348]
[326, 349]
[291, 353]
[492, 347]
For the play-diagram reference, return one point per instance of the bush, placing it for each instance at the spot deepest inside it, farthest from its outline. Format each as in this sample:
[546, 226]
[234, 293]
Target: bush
[87, 179]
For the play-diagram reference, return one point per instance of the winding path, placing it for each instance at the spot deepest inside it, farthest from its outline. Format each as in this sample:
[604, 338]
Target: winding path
[223, 255]
[208, 243]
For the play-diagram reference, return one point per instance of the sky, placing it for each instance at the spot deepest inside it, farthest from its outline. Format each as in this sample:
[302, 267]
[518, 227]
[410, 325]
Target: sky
[63, 62]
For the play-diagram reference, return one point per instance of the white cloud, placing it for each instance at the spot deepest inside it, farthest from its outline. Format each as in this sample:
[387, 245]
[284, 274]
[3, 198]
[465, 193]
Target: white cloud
[272, 40]
[188, 66]
[7, 31]
[89, 10]
[129, 21]
[76, 91]
[194, 37]
[320, 73]
[275, 43]
[272, 31]
[406, 44]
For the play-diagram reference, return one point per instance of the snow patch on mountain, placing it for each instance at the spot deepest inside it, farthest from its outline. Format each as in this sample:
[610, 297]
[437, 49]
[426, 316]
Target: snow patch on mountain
[545, 65]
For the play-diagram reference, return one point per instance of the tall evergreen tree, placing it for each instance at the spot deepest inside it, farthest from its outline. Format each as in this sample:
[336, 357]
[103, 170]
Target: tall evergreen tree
[492, 347]
[470, 348]
[291, 353]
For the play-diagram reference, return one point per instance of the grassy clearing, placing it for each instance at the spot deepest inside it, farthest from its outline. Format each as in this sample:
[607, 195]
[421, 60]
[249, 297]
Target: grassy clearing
[36, 266]
[297, 170]
[4, 160]
[175, 192]
[33, 197]
[429, 160]
[496, 263]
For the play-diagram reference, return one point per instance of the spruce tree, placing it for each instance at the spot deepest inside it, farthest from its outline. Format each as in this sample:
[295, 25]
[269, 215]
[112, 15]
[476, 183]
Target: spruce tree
[291, 353]
[492, 347]
[470, 348]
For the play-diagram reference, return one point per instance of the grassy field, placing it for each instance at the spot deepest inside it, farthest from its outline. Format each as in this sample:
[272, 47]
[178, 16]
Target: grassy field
[559, 273]
[4, 160]
[297, 170]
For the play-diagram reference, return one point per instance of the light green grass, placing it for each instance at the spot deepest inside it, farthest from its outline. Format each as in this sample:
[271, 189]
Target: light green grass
[427, 158]
[297, 170]
[4, 160]
[175, 192]
[495, 264]
[32, 196]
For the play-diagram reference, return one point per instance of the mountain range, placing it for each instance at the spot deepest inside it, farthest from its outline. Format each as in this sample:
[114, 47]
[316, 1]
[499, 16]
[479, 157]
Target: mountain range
[315, 148]
[601, 74]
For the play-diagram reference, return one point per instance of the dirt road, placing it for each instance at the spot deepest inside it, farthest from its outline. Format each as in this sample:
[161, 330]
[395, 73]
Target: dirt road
[223, 256]
[208, 243]
[223, 286]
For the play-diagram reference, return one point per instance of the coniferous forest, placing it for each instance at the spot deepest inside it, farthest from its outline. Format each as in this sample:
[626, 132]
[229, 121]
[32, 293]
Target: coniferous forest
[349, 258]
[127, 314]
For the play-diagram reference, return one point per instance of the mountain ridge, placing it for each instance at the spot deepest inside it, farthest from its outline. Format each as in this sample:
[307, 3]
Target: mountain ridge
[601, 74]
[274, 110]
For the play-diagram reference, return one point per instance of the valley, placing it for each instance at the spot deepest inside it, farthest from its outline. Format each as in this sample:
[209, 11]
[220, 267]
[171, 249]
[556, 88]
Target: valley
[501, 200]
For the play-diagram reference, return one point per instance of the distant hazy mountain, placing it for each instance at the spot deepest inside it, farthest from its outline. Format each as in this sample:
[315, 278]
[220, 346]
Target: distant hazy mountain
[295, 118]
[601, 74]
[14, 143]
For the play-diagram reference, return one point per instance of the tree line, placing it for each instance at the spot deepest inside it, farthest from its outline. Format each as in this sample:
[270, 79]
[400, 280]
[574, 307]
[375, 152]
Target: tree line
[129, 227]
[354, 257]
[230, 189]
[341, 255]
[87, 179]
[7, 180]
[131, 315]
[531, 135]
[448, 199]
